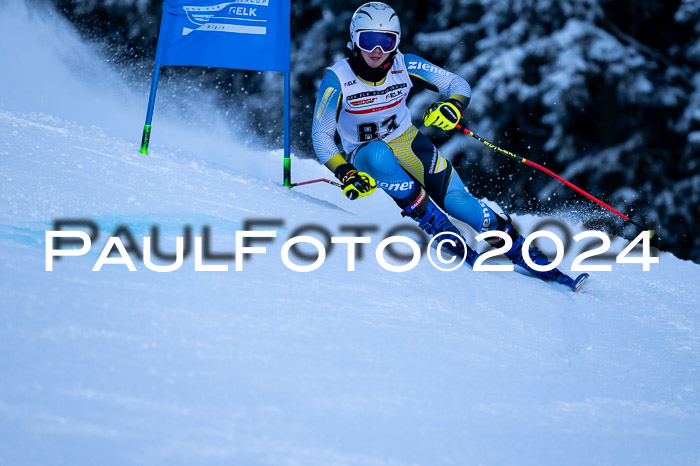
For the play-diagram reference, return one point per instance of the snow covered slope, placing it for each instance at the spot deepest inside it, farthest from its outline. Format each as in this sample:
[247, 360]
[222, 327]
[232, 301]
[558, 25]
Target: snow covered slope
[271, 366]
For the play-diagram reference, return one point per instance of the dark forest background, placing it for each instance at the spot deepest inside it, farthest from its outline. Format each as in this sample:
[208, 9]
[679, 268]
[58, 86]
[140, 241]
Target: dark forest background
[604, 92]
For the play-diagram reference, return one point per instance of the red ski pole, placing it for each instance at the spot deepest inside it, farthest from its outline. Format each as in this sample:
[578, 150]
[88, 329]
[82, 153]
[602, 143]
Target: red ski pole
[320, 180]
[554, 175]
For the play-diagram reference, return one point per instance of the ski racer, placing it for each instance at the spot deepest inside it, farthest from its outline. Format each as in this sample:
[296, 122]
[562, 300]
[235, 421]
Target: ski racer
[363, 98]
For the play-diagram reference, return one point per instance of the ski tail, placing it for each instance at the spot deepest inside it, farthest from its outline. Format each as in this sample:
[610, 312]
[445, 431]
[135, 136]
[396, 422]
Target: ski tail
[579, 281]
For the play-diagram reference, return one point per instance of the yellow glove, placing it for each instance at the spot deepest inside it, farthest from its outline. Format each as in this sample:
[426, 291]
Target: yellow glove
[356, 184]
[444, 115]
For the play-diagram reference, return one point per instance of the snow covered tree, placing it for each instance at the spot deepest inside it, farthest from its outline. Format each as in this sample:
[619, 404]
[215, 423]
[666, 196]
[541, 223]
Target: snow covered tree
[603, 92]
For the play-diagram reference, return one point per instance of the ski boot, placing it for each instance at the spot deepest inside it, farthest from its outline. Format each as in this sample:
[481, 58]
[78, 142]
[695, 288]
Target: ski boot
[433, 221]
[515, 255]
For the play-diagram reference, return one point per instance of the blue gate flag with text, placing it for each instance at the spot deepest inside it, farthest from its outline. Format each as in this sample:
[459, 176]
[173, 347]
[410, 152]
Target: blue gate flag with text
[241, 34]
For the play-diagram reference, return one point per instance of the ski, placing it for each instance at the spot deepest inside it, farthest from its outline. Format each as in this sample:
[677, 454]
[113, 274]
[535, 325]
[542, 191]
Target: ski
[579, 281]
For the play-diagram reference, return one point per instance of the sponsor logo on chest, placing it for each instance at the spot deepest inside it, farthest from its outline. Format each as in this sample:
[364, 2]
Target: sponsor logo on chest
[388, 95]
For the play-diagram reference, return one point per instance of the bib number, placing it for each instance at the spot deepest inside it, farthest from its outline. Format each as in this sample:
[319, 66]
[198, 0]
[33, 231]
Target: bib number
[370, 131]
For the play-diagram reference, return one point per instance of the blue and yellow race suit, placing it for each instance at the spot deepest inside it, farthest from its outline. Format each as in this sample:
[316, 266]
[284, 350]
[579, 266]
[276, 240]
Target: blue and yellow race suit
[377, 136]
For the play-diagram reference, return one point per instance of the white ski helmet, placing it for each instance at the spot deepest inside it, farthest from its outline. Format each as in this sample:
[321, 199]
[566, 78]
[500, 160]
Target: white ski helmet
[374, 16]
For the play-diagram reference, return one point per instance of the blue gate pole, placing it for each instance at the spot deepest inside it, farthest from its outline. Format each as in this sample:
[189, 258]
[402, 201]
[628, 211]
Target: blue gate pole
[149, 113]
[287, 158]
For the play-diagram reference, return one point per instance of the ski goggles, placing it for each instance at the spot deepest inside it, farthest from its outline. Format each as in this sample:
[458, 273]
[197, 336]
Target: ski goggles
[370, 40]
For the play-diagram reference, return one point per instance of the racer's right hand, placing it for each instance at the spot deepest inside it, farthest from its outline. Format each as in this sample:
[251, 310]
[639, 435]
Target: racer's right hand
[356, 184]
